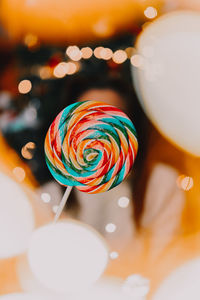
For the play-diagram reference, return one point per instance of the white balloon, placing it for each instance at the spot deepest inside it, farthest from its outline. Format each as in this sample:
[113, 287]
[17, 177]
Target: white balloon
[67, 256]
[16, 218]
[28, 282]
[23, 297]
[111, 289]
[182, 284]
[167, 81]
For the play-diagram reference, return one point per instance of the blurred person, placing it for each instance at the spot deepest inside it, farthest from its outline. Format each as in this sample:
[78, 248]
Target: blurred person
[165, 220]
[152, 184]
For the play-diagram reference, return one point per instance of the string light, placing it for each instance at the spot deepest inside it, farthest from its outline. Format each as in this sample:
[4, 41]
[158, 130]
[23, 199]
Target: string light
[24, 86]
[74, 53]
[106, 53]
[119, 56]
[70, 49]
[72, 68]
[97, 52]
[86, 52]
[68, 68]
[150, 12]
[61, 70]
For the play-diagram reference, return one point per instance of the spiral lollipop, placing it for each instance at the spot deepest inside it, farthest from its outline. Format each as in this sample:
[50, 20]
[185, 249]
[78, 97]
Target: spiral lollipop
[91, 145]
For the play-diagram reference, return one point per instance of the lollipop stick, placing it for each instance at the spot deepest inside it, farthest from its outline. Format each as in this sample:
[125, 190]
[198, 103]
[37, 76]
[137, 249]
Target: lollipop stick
[62, 203]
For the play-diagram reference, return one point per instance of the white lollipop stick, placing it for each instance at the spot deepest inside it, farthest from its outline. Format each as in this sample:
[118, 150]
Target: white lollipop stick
[62, 203]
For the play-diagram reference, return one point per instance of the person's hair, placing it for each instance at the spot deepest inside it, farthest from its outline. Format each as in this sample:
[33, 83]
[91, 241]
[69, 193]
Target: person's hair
[79, 85]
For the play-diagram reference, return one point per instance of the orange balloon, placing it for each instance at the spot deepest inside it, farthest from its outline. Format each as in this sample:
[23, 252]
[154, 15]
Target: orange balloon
[70, 21]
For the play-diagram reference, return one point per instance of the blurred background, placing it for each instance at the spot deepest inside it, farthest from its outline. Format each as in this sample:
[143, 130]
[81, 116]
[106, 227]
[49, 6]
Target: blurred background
[143, 57]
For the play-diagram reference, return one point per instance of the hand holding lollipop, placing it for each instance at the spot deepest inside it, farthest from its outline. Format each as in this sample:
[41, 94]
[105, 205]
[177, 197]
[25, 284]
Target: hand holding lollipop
[91, 145]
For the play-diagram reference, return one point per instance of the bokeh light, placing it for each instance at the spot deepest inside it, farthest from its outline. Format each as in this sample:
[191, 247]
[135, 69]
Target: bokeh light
[67, 255]
[103, 28]
[24, 86]
[55, 208]
[46, 197]
[123, 202]
[110, 227]
[45, 72]
[136, 286]
[16, 218]
[72, 68]
[31, 40]
[61, 70]
[106, 53]
[185, 182]
[19, 173]
[119, 56]
[114, 255]
[137, 60]
[97, 52]
[28, 150]
[74, 53]
[150, 12]
[86, 52]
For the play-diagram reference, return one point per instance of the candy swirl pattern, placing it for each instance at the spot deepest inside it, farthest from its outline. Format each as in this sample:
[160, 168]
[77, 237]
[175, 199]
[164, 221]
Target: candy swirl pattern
[91, 145]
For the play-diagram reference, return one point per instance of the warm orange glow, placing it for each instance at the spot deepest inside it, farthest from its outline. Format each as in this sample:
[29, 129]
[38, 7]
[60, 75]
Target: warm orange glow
[24, 86]
[97, 52]
[61, 70]
[106, 53]
[137, 60]
[27, 150]
[19, 173]
[86, 52]
[150, 12]
[119, 56]
[102, 28]
[74, 53]
[45, 72]
[31, 40]
[70, 21]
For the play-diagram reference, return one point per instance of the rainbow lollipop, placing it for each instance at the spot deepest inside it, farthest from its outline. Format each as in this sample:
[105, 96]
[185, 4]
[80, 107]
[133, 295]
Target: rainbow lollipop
[91, 145]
